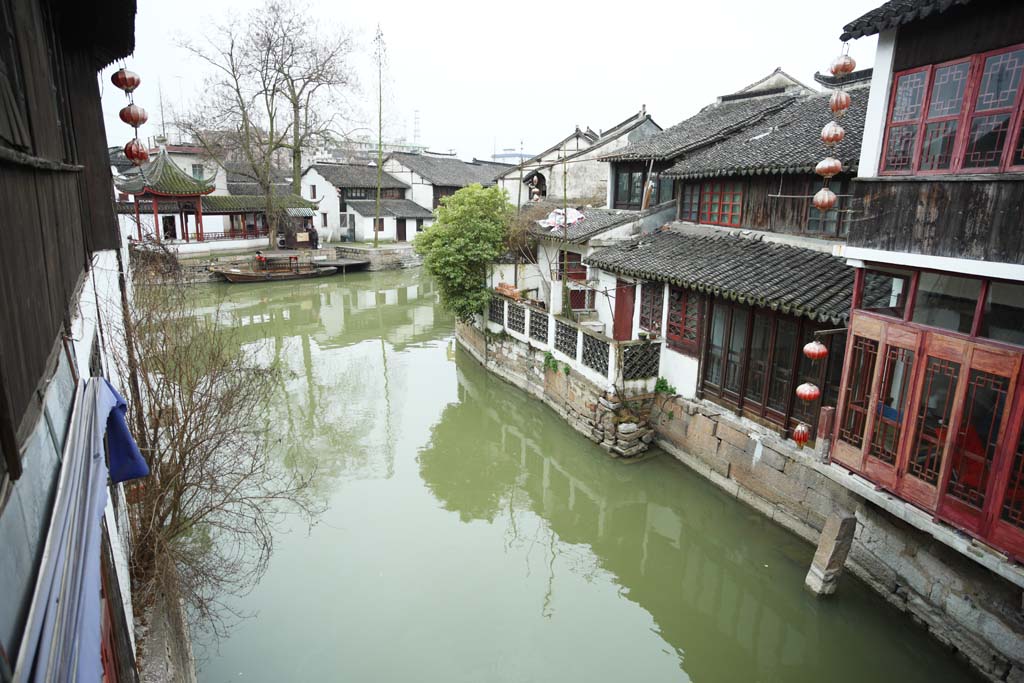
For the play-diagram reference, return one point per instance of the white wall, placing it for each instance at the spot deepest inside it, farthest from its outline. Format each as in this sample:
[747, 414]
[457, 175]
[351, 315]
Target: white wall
[527, 279]
[420, 191]
[364, 227]
[679, 370]
[878, 104]
[327, 197]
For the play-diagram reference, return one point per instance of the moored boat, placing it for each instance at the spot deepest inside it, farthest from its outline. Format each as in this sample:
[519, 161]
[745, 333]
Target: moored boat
[238, 274]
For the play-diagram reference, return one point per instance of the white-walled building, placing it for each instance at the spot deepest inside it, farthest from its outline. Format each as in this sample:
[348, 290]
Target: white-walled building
[431, 177]
[574, 163]
[400, 219]
[333, 185]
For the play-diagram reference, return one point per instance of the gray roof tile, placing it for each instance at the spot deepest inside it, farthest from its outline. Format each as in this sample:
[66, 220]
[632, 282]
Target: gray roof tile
[356, 175]
[595, 222]
[895, 13]
[389, 208]
[449, 171]
[796, 281]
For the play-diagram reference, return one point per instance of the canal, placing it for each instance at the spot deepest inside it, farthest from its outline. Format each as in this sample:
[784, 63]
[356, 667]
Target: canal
[470, 535]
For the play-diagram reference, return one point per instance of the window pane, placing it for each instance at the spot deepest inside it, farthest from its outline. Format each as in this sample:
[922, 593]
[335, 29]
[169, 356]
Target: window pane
[892, 404]
[946, 301]
[781, 381]
[977, 437]
[858, 391]
[652, 295]
[985, 141]
[760, 336]
[909, 94]
[636, 190]
[692, 317]
[937, 394]
[948, 83]
[834, 372]
[664, 190]
[1003, 318]
[937, 145]
[1000, 81]
[737, 347]
[622, 188]
[1013, 503]
[899, 153]
[885, 292]
[715, 347]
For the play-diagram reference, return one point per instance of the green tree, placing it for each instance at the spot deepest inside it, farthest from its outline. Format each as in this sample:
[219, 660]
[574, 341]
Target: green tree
[470, 232]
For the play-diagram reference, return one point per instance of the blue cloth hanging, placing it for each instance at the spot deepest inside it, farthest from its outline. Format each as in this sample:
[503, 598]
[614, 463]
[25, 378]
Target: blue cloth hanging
[126, 461]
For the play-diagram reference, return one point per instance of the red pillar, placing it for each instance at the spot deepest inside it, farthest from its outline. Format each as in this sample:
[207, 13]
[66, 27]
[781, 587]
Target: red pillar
[156, 220]
[184, 222]
[138, 218]
[199, 218]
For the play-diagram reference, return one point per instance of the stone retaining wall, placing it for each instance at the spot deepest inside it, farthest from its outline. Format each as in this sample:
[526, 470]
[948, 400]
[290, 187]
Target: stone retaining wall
[383, 258]
[618, 424]
[960, 602]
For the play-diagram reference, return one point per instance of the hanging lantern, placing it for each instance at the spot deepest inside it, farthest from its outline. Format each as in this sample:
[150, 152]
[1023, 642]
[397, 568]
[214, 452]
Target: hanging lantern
[134, 115]
[839, 103]
[815, 350]
[801, 434]
[832, 134]
[824, 199]
[828, 167]
[136, 152]
[808, 392]
[842, 65]
[125, 80]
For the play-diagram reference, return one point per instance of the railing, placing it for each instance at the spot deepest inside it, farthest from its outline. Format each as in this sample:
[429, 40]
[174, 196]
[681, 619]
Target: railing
[232, 235]
[631, 364]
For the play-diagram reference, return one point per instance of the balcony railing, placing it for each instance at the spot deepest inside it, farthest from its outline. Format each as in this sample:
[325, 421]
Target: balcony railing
[632, 365]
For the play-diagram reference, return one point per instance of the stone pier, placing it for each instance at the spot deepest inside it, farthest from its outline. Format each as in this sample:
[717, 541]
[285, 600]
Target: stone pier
[830, 558]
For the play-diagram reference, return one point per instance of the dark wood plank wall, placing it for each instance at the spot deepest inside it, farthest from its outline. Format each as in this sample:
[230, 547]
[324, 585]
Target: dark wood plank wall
[55, 195]
[959, 31]
[955, 218]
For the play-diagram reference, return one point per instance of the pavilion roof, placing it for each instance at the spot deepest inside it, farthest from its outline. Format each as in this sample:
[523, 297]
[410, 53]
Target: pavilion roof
[161, 176]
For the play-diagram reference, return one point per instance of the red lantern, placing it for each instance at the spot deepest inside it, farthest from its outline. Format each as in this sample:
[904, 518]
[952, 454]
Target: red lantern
[832, 134]
[828, 167]
[815, 350]
[808, 392]
[801, 434]
[134, 115]
[824, 199]
[839, 102]
[842, 65]
[136, 152]
[125, 80]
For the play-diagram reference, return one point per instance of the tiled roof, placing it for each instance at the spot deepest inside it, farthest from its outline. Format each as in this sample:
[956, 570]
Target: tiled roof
[118, 160]
[250, 187]
[708, 125]
[389, 208]
[232, 203]
[781, 277]
[356, 175]
[163, 177]
[895, 13]
[595, 221]
[785, 142]
[449, 171]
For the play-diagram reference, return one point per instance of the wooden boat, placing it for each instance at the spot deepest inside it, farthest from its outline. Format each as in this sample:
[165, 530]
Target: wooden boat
[242, 273]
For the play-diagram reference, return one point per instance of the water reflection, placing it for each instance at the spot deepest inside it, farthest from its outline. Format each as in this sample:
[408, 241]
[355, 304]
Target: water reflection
[471, 535]
[723, 586]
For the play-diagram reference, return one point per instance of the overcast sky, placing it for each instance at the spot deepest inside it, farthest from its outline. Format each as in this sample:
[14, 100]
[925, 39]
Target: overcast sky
[489, 76]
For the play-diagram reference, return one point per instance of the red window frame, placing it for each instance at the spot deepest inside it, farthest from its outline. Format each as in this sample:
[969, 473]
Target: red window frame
[1013, 144]
[715, 196]
[652, 304]
[680, 301]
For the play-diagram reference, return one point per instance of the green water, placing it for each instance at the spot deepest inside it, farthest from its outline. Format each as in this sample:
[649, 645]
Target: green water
[470, 535]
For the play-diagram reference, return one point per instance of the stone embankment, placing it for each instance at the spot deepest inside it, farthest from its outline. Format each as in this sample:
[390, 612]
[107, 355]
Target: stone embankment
[389, 257]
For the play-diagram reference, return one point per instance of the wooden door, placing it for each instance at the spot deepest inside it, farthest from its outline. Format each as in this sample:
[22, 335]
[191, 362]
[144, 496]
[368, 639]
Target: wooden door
[977, 439]
[400, 230]
[890, 418]
[856, 395]
[625, 300]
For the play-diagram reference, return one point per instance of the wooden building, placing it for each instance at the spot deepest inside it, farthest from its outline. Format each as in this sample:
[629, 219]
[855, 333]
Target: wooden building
[60, 237]
[932, 400]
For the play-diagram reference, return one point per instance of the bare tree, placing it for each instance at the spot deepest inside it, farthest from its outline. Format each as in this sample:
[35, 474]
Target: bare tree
[380, 54]
[203, 520]
[314, 70]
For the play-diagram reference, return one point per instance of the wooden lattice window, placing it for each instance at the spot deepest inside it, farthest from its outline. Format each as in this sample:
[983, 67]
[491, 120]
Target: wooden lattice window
[689, 202]
[932, 421]
[652, 303]
[957, 116]
[858, 391]
[684, 313]
[721, 202]
[977, 437]
[892, 404]
[1013, 502]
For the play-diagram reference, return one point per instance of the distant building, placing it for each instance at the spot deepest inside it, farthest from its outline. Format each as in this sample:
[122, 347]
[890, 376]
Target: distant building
[335, 185]
[431, 177]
